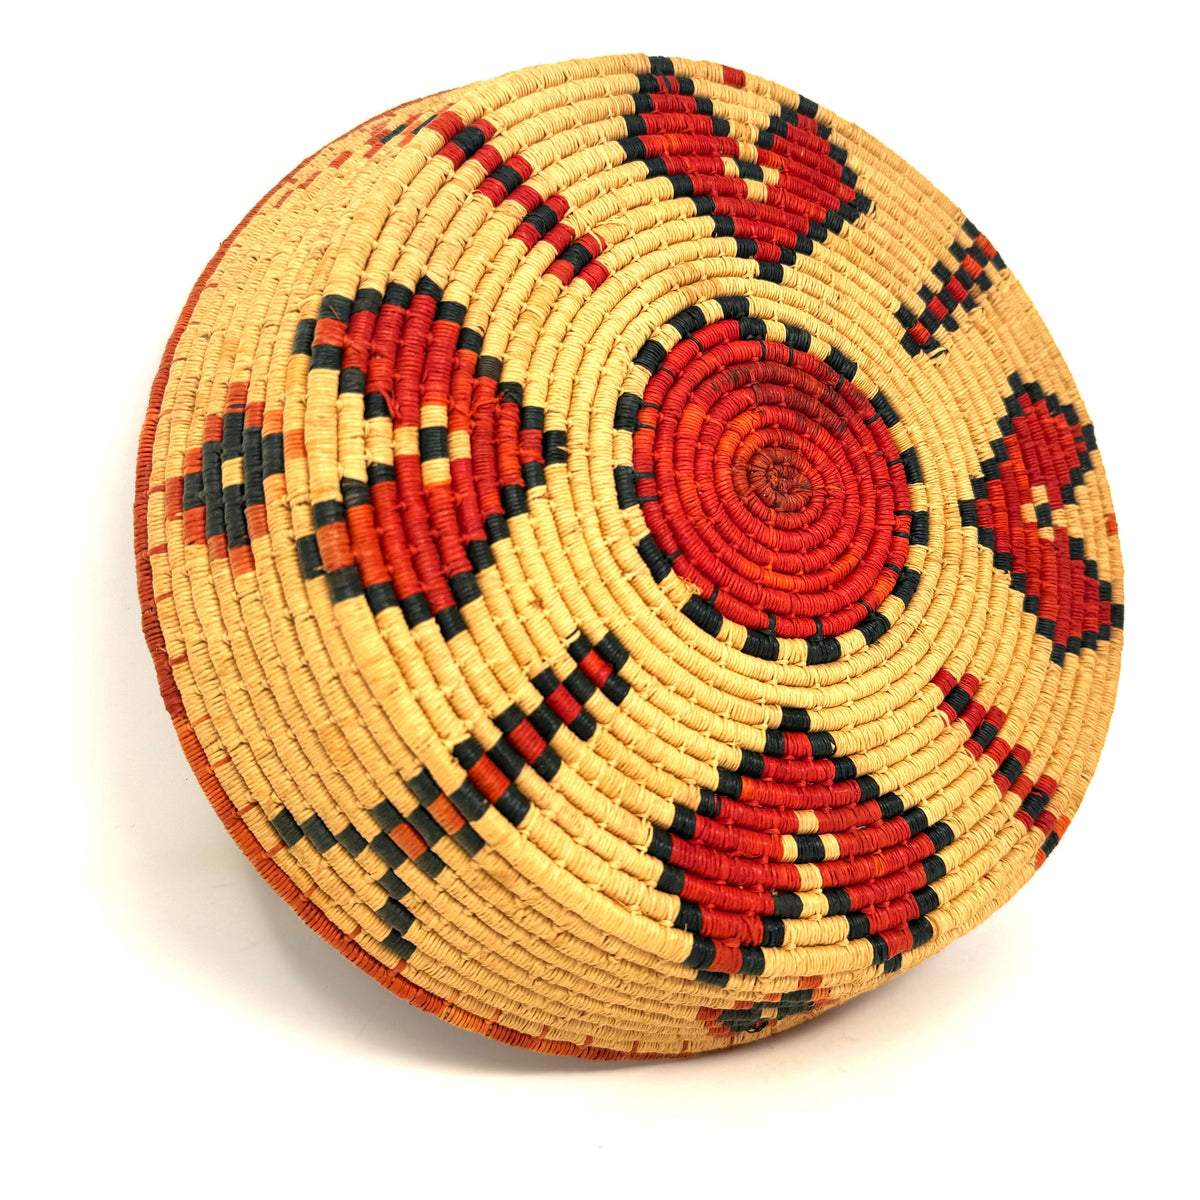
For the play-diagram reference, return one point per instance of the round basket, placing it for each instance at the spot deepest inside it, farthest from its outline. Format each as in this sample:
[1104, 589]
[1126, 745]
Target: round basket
[625, 559]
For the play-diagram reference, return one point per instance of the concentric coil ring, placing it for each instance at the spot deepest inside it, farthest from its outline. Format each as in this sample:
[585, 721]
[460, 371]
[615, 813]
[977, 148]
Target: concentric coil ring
[625, 559]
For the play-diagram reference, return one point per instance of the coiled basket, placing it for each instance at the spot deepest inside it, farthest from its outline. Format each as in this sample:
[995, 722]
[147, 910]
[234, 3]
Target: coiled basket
[625, 559]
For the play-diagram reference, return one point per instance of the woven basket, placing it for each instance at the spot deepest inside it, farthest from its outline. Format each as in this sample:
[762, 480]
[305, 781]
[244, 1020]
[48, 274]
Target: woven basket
[625, 559]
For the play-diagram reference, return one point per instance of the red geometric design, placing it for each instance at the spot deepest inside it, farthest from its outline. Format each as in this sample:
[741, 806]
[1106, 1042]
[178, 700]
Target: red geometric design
[1041, 457]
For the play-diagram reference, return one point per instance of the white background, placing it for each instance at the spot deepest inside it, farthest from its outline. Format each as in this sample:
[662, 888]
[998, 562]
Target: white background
[173, 1030]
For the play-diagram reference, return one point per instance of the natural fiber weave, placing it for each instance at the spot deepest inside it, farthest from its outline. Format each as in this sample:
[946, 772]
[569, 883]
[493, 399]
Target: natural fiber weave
[625, 559]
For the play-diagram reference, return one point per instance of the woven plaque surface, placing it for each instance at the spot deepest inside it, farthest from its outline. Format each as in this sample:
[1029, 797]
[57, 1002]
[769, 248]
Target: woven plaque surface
[625, 559]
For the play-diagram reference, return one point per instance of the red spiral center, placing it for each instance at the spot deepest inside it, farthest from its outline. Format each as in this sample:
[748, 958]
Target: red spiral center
[777, 490]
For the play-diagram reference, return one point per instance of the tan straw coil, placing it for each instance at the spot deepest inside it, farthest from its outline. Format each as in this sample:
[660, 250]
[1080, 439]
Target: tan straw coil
[625, 559]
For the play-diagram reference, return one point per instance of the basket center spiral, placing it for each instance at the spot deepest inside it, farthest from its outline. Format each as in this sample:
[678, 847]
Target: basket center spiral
[766, 480]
